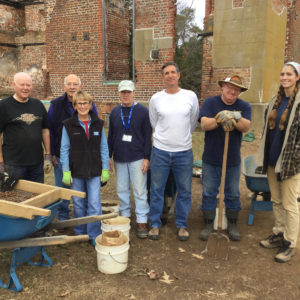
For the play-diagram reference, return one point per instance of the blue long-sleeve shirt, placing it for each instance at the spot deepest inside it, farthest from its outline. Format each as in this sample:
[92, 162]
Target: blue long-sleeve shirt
[65, 148]
[139, 129]
[61, 108]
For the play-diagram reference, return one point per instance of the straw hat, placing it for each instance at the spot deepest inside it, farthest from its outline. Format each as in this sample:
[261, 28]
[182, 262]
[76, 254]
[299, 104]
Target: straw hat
[234, 80]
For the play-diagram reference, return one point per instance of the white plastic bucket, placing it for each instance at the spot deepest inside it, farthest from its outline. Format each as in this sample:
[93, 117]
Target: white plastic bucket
[115, 205]
[119, 223]
[112, 259]
[224, 220]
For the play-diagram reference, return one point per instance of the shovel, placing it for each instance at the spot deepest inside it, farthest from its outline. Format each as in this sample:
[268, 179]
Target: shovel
[217, 244]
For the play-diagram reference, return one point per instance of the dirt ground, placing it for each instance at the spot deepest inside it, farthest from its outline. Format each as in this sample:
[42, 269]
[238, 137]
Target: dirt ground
[249, 273]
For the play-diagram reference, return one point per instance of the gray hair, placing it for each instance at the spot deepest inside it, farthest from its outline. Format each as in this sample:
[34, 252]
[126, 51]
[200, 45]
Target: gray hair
[66, 78]
[21, 74]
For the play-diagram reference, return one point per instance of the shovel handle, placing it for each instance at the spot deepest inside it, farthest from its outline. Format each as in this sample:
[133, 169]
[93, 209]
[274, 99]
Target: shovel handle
[222, 186]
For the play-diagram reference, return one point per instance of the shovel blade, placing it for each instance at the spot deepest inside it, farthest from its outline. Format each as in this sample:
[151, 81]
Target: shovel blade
[217, 246]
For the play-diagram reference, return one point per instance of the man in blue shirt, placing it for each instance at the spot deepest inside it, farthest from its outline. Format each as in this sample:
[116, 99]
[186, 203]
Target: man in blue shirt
[234, 115]
[60, 109]
[129, 142]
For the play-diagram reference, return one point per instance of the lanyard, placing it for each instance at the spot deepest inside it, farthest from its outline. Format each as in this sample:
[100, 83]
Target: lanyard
[129, 118]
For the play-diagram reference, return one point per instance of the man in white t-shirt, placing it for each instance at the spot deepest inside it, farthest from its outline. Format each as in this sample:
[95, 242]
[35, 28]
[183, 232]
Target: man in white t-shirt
[173, 116]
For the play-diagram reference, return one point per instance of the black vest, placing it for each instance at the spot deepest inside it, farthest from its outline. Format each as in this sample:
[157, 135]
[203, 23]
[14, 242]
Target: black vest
[84, 156]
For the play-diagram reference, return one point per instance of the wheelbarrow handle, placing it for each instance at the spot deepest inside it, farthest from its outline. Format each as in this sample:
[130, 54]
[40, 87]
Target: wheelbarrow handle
[44, 241]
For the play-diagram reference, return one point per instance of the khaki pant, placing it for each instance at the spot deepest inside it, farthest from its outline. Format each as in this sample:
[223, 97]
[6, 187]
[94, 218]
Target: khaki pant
[285, 206]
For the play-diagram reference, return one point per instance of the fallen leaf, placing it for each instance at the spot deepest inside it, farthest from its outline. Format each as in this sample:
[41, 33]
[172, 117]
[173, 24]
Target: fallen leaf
[64, 294]
[130, 296]
[166, 278]
[181, 250]
[197, 256]
[152, 275]
[64, 266]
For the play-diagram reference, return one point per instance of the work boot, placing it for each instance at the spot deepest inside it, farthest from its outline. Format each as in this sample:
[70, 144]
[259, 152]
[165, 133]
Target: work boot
[285, 253]
[232, 229]
[153, 234]
[209, 217]
[142, 230]
[272, 241]
[183, 235]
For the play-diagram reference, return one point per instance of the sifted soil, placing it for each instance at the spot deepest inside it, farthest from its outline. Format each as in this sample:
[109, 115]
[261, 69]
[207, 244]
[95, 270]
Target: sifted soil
[16, 196]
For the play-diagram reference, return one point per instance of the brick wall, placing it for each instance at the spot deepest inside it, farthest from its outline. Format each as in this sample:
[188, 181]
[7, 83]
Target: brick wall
[160, 15]
[11, 23]
[292, 50]
[11, 19]
[117, 40]
[68, 52]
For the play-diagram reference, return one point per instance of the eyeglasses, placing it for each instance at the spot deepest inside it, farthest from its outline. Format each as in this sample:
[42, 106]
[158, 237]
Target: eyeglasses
[233, 88]
[82, 103]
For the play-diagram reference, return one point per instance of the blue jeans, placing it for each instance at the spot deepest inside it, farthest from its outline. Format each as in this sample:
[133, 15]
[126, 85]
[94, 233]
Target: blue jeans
[127, 172]
[91, 205]
[211, 179]
[181, 163]
[32, 173]
[63, 210]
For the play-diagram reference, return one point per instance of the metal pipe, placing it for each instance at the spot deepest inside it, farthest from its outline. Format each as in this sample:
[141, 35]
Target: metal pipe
[104, 38]
[133, 40]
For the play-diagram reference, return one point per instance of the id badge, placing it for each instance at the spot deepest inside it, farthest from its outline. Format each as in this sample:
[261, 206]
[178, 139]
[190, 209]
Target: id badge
[127, 138]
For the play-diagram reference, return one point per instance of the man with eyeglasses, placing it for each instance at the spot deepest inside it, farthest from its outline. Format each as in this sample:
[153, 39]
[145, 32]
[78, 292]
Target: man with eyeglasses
[60, 109]
[225, 112]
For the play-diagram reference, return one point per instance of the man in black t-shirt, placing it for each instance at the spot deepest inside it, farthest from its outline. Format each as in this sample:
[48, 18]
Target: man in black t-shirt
[24, 125]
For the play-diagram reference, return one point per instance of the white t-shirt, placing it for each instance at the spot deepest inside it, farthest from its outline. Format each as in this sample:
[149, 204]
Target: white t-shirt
[173, 118]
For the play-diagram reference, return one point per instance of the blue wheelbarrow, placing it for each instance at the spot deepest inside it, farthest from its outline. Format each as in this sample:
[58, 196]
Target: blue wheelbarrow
[258, 184]
[18, 221]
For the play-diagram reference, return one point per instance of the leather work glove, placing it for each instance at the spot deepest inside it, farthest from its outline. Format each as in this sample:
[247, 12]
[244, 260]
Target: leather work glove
[104, 176]
[67, 178]
[228, 125]
[47, 163]
[223, 116]
[236, 115]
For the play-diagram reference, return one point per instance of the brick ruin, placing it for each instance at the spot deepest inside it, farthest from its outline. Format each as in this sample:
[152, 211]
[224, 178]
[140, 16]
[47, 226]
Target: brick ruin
[211, 72]
[52, 38]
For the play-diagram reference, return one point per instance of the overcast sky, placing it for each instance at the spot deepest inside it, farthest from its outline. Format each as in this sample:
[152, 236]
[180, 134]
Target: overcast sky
[199, 5]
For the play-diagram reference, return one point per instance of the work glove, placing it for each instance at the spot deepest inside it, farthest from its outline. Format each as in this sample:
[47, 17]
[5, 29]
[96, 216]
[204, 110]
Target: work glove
[67, 178]
[225, 115]
[228, 125]
[104, 176]
[47, 163]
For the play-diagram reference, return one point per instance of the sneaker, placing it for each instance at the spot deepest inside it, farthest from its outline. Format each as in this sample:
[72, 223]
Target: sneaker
[183, 235]
[142, 230]
[153, 234]
[285, 253]
[272, 241]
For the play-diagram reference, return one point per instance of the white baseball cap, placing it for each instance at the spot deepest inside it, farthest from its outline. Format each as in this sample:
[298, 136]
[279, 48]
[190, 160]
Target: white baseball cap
[126, 85]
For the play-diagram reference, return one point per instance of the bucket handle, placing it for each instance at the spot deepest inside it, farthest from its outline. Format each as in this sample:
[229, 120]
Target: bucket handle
[119, 262]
